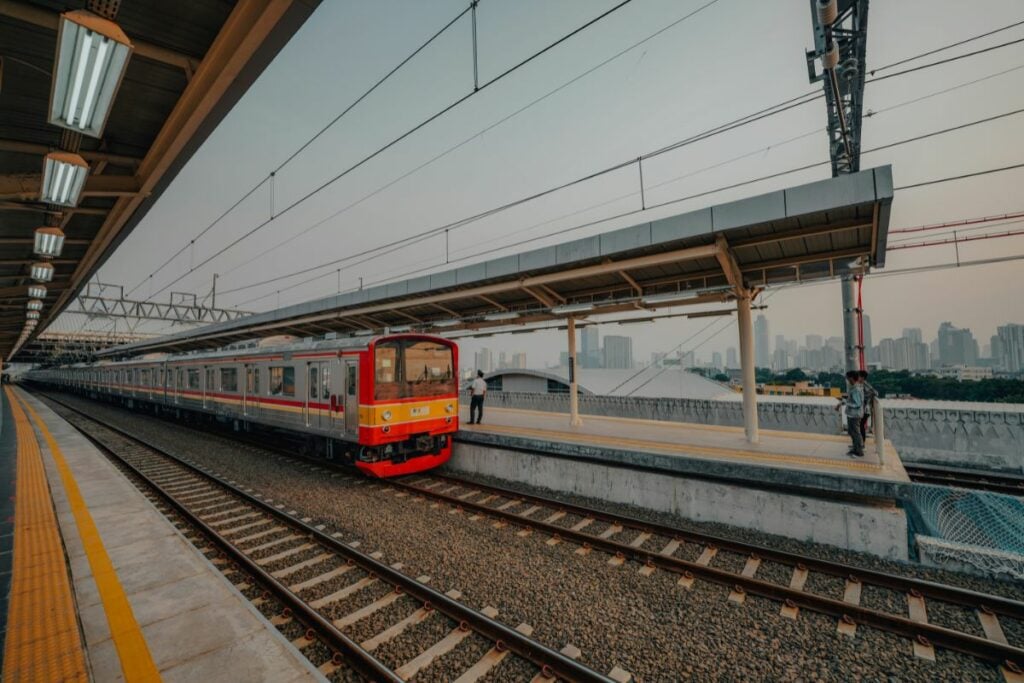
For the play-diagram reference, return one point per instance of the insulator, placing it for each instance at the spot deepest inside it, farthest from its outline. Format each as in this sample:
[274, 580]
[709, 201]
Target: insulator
[830, 58]
[828, 10]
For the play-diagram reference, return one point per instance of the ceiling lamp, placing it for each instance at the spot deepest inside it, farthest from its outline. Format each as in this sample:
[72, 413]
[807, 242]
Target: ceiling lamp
[92, 55]
[36, 292]
[34, 305]
[63, 178]
[32, 315]
[41, 272]
[49, 241]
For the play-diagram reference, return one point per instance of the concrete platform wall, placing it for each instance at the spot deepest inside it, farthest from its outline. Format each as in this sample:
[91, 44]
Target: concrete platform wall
[974, 438]
[876, 529]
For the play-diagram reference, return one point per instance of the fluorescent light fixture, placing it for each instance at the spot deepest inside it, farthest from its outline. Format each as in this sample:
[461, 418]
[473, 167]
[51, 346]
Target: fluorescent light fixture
[446, 323]
[504, 315]
[64, 176]
[32, 315]
[669, 297]
[49, 241]
[401, 328]
[362, 333]
[92, 55]
[41, 272]
[573, 308]
[36, 292]
[34, 305]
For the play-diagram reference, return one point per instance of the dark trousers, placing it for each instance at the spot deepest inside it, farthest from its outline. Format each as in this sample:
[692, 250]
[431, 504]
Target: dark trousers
[853, 428]
[476, 406]
[864, 427]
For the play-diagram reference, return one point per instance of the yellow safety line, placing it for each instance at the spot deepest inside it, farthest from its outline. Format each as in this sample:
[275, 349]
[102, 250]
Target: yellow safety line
[682, 449]
[43, 642]
[132, 649]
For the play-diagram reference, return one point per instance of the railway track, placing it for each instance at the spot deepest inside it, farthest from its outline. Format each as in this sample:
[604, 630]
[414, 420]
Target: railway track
[968, 479]
[544, 514]
[658, 547]
[265, 542]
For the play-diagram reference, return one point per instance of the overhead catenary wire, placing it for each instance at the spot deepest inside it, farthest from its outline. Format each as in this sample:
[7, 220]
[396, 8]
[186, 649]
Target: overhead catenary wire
[783, 106]
[697, 195]
[422, 124]
[309, 142]
[389, 247]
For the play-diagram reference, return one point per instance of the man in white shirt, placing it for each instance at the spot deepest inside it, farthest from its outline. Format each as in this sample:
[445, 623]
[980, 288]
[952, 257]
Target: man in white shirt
[477, 389]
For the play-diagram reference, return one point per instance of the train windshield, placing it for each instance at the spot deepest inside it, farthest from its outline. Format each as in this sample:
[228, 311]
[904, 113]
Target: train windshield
[410, 369]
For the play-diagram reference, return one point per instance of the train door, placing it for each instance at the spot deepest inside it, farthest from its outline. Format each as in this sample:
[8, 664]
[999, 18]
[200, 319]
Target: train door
[318, 393]
[351, 396]
[251, 391]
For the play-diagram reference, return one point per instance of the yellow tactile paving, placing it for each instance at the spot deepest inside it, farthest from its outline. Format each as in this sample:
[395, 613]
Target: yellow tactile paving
[132, 650]
[43, 640]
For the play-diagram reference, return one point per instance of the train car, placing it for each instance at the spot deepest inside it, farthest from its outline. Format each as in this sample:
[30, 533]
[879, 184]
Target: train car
[387, 404]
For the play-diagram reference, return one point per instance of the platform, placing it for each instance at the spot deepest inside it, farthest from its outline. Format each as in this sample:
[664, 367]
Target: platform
[104, 588]
[791, 483]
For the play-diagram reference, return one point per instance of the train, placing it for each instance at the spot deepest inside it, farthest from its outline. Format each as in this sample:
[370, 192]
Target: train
[386, 404]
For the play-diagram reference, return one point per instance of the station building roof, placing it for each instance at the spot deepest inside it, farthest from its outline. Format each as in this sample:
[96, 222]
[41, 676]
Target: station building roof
[817, 230]
[192, 61]
[649, 382]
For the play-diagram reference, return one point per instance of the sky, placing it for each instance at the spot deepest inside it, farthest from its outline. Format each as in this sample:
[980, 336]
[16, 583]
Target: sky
[729, 59]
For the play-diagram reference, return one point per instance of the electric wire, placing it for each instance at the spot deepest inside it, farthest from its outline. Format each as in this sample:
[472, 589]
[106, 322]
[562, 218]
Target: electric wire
[419, 126]
[310, 141]
[764, 113]
[419, 237]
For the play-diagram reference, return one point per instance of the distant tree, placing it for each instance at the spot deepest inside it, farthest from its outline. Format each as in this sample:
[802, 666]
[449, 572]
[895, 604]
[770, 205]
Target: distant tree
[795, 375]
[721, 377]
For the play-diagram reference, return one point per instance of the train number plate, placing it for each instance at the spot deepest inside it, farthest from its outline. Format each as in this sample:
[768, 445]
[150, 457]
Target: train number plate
[421, 411]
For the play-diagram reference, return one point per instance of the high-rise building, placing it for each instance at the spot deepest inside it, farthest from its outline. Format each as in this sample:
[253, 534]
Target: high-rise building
[716, 360]
[590, 353]
[780, 359]
[957, 346]
[484, 360]
[731, 360]
[913, 334]
[866, 326]
[780, 342]
[502, 360]
[618, 352]
[688, 359]
[814, 342]
[1010, 345]
[762, 345]
[519, 360]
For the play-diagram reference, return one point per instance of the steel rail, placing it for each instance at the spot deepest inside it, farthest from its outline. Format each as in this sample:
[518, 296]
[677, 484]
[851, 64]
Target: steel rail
[354, 655]
[550, 661]
[929, 589]
[969, 479]
[992, 651]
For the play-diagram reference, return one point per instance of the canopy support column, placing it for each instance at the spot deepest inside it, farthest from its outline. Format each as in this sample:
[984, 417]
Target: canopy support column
[746, 331]
[574, 401]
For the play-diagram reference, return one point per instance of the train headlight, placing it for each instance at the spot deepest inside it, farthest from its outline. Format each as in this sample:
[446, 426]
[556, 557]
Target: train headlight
[448, 408]
[386, 415]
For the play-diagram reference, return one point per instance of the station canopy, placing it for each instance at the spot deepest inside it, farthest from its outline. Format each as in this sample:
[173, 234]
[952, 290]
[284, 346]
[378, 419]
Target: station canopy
[819, 230]
[190, 62]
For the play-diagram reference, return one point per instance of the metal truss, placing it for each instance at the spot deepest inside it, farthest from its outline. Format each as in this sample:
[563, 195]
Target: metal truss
[840, 39]
[62, 348]
[101, 300]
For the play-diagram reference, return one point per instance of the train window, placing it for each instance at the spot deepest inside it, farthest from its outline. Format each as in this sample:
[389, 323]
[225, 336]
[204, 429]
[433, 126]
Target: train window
[193, 378]
[386, 371]
[229, 379]
[313, 383]
[325, 382]
[350, 381]
[144, 381]
[282, 381]
[427, 368]
[211, 375]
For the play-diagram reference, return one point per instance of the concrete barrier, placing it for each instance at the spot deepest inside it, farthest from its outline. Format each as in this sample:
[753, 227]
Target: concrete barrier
[876, 528]
[977, 436]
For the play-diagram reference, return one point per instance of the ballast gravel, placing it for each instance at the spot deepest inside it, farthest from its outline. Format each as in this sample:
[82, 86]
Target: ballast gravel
[647, 625]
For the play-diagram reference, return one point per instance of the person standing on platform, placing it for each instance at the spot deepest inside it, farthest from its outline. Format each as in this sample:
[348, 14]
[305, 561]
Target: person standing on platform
[869, 403]
[854, 413]
[477, 390]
